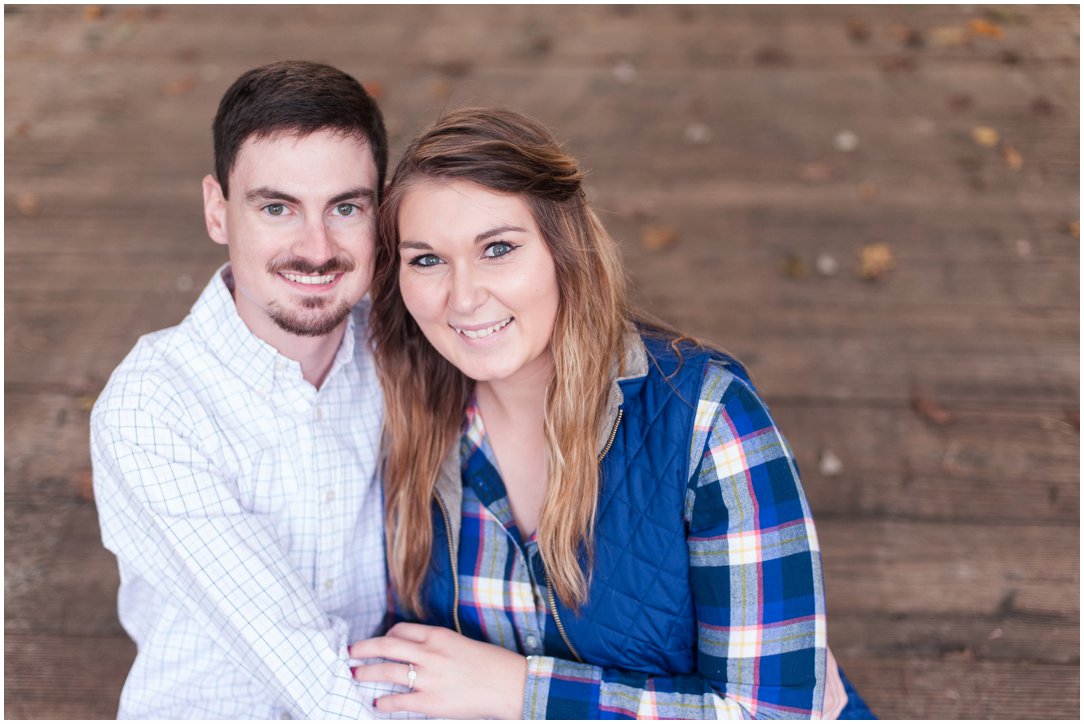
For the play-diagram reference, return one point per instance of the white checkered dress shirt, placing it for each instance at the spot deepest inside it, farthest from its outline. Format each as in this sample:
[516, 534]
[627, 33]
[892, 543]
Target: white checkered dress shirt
[245, 512]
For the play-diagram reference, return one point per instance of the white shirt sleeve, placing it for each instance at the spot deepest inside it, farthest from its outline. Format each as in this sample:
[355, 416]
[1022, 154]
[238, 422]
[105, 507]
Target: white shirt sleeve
[221, 607]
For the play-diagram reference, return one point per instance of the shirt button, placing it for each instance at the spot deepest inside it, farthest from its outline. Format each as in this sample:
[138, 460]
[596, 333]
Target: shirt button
[330, 496]
[532, 642]
[328, 584]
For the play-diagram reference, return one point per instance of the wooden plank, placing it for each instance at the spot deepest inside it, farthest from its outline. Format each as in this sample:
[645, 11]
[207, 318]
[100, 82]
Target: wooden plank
[94, 669]
[1004, 638]
[930, 568]
[55, 546]
[924, 689]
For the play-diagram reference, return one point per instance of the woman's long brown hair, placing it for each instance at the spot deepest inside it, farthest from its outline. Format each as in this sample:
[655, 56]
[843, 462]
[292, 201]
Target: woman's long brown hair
[425, 395]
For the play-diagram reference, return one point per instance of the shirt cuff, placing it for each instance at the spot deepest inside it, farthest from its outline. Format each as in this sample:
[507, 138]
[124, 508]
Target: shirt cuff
[559, 689]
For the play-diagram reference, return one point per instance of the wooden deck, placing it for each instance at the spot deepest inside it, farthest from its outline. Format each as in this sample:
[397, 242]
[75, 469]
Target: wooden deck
[744, 157]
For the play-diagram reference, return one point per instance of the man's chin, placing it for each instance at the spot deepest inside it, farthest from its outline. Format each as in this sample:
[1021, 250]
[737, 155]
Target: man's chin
[311, 322]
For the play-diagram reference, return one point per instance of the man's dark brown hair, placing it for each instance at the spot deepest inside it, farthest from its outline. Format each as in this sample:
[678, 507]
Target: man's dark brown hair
[296, 96]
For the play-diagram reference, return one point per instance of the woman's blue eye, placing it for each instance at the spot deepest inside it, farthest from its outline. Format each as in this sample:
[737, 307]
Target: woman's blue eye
[425, 260]
[498, 248]
[275, 209]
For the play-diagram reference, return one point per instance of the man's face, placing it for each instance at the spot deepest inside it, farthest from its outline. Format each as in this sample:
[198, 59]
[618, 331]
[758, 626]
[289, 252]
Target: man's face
[300, 225]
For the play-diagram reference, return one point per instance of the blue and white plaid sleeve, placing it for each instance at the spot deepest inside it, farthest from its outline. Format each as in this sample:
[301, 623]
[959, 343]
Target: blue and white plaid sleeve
[756, 578]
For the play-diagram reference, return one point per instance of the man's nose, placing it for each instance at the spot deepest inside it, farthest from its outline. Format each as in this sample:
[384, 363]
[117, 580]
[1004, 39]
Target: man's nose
[315, 243]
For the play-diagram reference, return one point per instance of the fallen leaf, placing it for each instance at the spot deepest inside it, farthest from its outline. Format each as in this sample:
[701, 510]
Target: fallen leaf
[857, 31]
[829, 464]
[826, 265]
[84, 485]
[985, 28]
[874, 260]
[22, 129]
[816, 171]
[27, 203]
[928, 408]
[985, 136]
[867, 190]
[1012, 157]
[794, 267]
[899, 64]
[455, 68]
[846, 140]
[180, 87]
[1072, 228]
[624, 71]
[949, 37]
[960, 102]
[697, 134]
[85, 402]
[1042, 106]
[657, 237]
[771, 56]
[92, 13]
[1009, 57]
[440, 88]
[374, 88]
[910, 37]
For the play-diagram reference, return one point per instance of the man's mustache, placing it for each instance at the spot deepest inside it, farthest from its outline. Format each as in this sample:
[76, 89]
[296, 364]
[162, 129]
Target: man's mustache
[301, 266]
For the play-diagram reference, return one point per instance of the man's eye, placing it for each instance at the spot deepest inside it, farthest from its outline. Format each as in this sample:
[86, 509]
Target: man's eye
[425, 260]
[275, 209]
[498, 248]
[345, 209]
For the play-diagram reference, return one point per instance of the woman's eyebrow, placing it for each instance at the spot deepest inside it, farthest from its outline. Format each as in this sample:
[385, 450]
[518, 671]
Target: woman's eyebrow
[498, 230]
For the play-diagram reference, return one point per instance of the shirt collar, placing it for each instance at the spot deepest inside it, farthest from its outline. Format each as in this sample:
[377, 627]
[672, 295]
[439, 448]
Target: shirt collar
[249, 357]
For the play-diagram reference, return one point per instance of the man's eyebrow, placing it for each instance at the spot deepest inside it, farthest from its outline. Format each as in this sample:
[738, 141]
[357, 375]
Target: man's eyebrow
[360, 193]
[266, 193]
[498, 230]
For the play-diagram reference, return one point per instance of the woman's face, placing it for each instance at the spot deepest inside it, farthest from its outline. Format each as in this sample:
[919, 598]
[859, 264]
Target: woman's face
[478, 279]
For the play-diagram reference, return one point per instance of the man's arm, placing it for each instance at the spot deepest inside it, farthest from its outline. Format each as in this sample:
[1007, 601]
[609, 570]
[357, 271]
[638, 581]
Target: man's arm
[175, 524]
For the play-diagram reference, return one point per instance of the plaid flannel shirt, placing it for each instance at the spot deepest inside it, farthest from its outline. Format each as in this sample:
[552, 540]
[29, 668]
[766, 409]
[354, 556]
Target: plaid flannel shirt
[755, 574]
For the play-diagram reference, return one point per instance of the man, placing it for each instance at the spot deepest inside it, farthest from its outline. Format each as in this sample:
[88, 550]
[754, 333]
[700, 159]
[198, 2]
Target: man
[235, 455]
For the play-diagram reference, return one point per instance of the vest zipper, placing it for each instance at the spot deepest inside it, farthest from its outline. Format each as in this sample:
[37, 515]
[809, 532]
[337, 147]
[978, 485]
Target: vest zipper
[455, 570]
[549, 587]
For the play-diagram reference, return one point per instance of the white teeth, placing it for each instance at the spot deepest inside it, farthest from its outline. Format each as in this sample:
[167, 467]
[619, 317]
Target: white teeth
[480, 333]
[302, 279]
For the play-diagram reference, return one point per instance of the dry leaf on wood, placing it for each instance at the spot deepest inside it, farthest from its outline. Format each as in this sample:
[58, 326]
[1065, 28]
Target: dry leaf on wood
[928, 408]
[874, 260]
[794, 267]
[92, 13]
[985, 136]
[27, 203]
[1012, 157]
[949, 37]
[180, 87]
[1072, 228]
[84, 485]
[857, 31]
[867, 190]
[657, 237]
[816, 171]
[374, 88]
[985, 28]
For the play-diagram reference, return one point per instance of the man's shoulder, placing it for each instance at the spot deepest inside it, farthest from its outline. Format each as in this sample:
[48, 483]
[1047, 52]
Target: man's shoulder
[157, 371]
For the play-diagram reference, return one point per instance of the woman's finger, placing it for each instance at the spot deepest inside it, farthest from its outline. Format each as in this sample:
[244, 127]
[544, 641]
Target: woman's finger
[415, 702]
[417, 632]
[391, 671]
[386, 647]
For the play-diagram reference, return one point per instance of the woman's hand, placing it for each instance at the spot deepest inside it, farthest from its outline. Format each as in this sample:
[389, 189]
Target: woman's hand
[455, 677]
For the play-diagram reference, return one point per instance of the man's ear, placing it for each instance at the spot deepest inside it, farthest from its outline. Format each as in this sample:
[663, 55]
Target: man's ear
[214, 210]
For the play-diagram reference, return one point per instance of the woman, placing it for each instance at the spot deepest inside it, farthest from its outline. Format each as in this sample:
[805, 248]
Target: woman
[588, 516]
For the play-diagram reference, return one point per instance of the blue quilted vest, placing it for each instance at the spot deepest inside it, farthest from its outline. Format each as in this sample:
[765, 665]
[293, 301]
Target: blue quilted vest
[639, 612]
